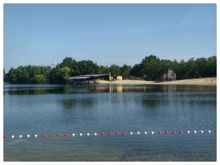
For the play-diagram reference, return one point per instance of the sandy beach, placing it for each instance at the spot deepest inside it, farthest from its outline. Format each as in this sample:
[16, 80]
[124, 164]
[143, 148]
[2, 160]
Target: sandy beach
[199, 81]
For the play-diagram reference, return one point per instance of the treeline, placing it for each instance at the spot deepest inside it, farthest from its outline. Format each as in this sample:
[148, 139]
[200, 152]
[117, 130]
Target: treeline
[150, 68]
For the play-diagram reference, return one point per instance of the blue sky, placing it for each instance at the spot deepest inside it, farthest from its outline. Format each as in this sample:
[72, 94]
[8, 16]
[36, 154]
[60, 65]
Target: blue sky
[39, 34]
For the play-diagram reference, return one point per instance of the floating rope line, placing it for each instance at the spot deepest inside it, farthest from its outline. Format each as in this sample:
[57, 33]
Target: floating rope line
[124, 133]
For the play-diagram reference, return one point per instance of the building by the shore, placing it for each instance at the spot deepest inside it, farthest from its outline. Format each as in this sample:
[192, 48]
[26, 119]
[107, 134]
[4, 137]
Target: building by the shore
[88, 79]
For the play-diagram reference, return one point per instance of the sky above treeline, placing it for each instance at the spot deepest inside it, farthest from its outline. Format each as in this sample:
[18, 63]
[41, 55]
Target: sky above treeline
[42, 34]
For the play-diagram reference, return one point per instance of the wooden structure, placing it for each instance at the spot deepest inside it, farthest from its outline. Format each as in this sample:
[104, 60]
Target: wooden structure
[88, 79]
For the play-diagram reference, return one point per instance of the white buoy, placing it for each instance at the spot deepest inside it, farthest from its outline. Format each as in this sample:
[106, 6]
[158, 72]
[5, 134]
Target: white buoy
[188, 132]
[88, 134]
[73, 134]
[131, 133]
[152, 132]
[12, 136]
[145, 132]
[80, 134]
[195, 131]
[35, 135]
[95, 134]
[202, 131]
[20, 136]
[28, 136]
[209, 131]
[138, 133]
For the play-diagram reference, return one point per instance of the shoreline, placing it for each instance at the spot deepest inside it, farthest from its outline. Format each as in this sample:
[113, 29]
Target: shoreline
[199, 81]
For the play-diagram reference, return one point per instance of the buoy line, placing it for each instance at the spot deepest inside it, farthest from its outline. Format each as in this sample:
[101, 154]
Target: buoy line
[116, 133]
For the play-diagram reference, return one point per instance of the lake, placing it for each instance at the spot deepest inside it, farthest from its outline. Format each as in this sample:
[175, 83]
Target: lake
[45, 109]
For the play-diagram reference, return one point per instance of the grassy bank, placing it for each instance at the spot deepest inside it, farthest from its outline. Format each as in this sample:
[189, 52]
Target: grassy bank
[199, 81]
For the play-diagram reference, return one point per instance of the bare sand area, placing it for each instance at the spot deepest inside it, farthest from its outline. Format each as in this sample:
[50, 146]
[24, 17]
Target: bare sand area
[199, 81]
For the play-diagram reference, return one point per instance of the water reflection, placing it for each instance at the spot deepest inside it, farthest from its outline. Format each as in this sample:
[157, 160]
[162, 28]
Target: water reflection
[169, 88]
[71, 103]
[151, 102]
[38, 90]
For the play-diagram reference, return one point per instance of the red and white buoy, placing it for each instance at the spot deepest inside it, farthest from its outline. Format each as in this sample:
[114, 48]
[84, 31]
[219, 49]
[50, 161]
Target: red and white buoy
[116, 133]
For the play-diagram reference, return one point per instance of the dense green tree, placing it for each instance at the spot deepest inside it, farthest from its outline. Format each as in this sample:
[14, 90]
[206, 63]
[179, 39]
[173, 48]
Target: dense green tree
[87, 67]
[103, 69]
[125, 71]
[191, 69]
[4, 74]
[136, 70]
[180, 70]
[11, 76]
[26, 74]
[72, 64]
[65, 73]
[201, 64]
[55, 77]
[175, 66]
[211, 66]
[150, 68]
[115, 70]
[59, 75]
[68, 61]
[39, 79]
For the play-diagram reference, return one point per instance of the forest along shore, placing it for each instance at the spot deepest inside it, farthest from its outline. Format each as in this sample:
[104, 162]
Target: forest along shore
[199, 81]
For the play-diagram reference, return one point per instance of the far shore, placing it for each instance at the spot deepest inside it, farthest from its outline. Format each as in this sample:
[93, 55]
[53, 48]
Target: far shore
[200, 81]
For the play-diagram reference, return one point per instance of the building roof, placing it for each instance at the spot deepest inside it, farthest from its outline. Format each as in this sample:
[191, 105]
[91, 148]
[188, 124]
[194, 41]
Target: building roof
[78, 78]
[87, 76]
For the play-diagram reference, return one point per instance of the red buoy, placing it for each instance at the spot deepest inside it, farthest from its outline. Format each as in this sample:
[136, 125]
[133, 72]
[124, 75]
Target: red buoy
[109, 134]
[116, 133]
[66, 134]
[59, 134]
[173, 132]
[102, 134]
[4, 136]
[123, 133]
[51, 135]
[180, 132]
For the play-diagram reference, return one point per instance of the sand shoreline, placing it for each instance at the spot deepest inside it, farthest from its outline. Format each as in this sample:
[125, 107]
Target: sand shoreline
[200, 81]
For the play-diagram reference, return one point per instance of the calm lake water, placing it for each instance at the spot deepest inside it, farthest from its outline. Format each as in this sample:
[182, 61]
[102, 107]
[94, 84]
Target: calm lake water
[37, 109]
